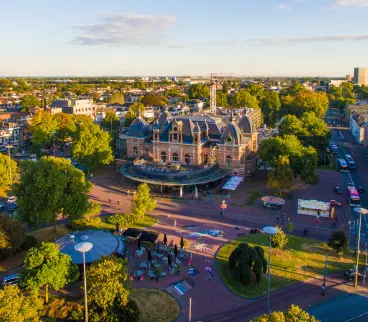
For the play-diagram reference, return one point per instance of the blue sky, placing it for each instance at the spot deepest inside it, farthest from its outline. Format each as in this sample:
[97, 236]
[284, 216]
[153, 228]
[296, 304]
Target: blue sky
[192, 37]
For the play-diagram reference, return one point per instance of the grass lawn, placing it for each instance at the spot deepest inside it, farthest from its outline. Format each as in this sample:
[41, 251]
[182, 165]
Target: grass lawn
[300, 260]
[155, 305]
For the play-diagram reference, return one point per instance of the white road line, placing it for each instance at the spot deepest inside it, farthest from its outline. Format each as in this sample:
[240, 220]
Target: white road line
[356, 317]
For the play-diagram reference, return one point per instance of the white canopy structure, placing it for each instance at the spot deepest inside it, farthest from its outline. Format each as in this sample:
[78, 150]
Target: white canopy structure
[232, 183]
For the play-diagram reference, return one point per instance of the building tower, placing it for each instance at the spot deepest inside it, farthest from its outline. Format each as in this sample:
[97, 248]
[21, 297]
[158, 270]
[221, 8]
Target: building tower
[213, 89]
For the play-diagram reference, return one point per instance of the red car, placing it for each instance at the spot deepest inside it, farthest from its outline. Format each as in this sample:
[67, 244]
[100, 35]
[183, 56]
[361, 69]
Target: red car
[334, 203]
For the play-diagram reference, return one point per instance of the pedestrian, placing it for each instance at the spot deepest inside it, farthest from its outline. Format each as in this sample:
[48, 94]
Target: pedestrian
[174, 223]
[278, 218]
[91, 176]
[323, 289]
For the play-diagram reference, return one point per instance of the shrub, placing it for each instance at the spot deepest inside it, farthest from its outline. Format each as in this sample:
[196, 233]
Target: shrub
[29, 242]
[83, 223]
[314, 179]
[338, 241]
[280, 239]
[122, 219]
[93, 209]
[65, 310]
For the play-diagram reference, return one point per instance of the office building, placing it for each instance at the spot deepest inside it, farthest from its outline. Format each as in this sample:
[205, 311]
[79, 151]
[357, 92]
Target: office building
[361, 76]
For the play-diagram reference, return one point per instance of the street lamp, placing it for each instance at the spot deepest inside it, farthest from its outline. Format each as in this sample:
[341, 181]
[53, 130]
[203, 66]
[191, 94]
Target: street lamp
[360, 211]
[83, 248]
[270, 231]
[10, 171]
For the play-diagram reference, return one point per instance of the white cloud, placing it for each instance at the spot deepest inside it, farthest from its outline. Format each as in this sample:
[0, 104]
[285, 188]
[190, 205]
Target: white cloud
[282, 7]
[350, 3]
[126, 29]
[303, 40]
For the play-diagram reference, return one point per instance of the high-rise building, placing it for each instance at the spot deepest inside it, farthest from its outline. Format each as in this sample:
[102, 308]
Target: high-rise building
[361, 76]
[348, 77]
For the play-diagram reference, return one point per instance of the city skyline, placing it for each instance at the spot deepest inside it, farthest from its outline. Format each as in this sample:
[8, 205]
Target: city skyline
[266, 38]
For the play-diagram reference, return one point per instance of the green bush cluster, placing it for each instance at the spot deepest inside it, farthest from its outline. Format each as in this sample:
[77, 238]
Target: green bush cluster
[83, 223]
[280, 239]
[122, 219]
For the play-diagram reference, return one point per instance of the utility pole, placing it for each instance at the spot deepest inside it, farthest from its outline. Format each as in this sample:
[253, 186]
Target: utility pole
[324, 276]
[190, 310]
[365, 270]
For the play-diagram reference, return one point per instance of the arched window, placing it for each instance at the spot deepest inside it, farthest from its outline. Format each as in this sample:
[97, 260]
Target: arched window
[163, 156]
[175, 157]
[187, 159]
[229, 161]
[135, 150]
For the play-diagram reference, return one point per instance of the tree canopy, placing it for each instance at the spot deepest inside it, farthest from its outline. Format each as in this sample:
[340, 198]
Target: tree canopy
[5, 167]
[243, 98]
[117, 98]
[245, 259]
[14, 306]
[42, 127]
[29, 101]
[294, 313]
[154, 100]
[133, 112]
[340, 96]
[51, 188]
[142, 201]
[338, 241]
[12, 236]
[91, 146]
[221, 99]
[198, 91]
[107, 280]
[46, 266]
[282, 176]
[270, 105]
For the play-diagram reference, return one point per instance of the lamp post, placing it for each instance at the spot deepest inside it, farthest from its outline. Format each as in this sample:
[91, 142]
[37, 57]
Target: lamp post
[270, 231]
[360, 211]
[83, 248]
[10, 171]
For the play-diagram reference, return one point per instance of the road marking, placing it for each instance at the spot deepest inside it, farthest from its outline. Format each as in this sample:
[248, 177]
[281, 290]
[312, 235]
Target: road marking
[356, 317]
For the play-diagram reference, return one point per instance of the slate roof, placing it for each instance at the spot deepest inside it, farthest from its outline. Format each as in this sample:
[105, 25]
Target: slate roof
[139, 128]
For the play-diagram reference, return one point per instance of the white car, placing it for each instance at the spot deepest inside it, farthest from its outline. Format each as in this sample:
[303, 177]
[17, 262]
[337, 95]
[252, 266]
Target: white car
[11, 200]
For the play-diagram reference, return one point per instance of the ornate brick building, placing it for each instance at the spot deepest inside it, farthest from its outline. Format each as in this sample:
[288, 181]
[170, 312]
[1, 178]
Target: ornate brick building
[195, 140]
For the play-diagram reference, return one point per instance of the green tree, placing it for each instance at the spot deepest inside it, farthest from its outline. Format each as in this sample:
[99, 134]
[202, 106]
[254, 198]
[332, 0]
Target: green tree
[280, 239]
[111, 122]
[293, 126]
[221, 99]
[117, 98]
[290, 227]
[244, 260]
[12, 236]
[29, 101]
[65, 127]
[282, 176]
[257, 90]
[49, 189]
[42, 127]
[270, 105]
[173, 92]
[5, 168]
[142, 201]
[46, 266]
[293, 90]
[133, 113]
[338, 241]
[91, 146]
[107, 284]
[198, 91]
[14, 306]
[293, 314]
[307, 101]
[5, 82]
[244, 99]
[154, 100]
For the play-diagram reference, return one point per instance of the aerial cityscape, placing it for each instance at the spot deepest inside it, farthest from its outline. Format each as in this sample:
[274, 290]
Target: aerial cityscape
[197, 161]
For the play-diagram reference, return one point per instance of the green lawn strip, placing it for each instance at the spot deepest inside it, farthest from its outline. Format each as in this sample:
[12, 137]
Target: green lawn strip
[155, 305]
[301, 259]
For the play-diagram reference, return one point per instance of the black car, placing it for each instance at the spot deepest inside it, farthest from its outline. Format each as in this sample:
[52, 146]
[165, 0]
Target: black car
[338, 190]
[350, 274]
[361, 189]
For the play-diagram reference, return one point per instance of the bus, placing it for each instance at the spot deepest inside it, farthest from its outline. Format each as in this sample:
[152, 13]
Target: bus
[343, 165]
[353, 196]
[350, 161]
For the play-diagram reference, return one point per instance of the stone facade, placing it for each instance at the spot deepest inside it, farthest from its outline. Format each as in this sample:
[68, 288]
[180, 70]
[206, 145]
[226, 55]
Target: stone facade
[194, 140]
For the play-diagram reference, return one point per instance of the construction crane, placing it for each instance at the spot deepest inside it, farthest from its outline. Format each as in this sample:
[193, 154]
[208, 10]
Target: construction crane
[214, 78]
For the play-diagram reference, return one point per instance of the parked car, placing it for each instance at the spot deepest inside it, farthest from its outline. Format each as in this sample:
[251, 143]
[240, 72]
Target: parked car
[334, 203]
[361, 189]
[2, 206]
[12, 207]
[11, 279]
[338, 190]
[11, 200]
[350, 274]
